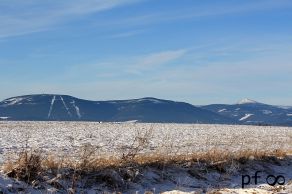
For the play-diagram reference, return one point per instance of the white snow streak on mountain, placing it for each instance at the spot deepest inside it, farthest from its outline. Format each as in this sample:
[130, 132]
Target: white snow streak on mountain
[147, 99]
[13, 101]
[66, 107]
[77, 109]
[245, 117]
[51, 107]
[222, 110]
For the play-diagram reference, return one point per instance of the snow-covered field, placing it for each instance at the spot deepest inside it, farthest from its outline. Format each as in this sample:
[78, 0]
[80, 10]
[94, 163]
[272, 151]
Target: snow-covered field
[66, 139]
[113, 138]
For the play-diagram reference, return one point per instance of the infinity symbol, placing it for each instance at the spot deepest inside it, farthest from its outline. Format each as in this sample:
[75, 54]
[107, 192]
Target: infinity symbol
[276, 179]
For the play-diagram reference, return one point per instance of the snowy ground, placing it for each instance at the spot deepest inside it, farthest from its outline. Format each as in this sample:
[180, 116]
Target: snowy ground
[111, 138]
[66, 138]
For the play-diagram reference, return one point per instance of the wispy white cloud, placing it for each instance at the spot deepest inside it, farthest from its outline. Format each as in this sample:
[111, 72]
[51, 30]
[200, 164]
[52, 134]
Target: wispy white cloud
[126, 34]
[265, 78]
[200, 12]
[124, 67]
[159, 58]
[24, 17]
[143, 63]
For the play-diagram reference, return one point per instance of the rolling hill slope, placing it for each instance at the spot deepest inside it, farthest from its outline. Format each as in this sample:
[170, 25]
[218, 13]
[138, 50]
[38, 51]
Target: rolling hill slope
[49, 107]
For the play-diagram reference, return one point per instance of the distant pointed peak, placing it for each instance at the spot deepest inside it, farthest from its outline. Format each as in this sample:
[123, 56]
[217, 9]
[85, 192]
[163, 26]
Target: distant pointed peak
[247, 101]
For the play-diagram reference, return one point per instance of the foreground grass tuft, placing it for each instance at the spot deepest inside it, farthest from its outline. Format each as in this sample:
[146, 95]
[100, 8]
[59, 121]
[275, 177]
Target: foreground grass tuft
[30, 165]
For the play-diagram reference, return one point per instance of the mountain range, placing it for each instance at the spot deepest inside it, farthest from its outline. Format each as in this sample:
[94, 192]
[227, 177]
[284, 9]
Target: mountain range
[249, 111]
[49, 107]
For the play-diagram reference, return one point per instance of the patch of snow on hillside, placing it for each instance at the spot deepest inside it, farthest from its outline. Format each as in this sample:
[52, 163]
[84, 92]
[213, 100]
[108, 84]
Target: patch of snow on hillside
[130, 121]
[66, 107]
[222, 110]
[156, 101]
[51, 107]
[285, 107]
[245, 117]
[13, 101]
[76, 108]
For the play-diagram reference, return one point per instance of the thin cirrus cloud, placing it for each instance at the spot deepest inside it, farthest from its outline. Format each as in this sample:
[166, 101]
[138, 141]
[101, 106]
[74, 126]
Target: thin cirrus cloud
[134, 65]
[160, 58]
[126, 34]
[26, 17]
[200, 12]
[138, 65]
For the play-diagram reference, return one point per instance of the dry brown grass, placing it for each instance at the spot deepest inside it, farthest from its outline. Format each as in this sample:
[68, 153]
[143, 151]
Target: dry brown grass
[26, 168]
[116, 172]
[31, 163]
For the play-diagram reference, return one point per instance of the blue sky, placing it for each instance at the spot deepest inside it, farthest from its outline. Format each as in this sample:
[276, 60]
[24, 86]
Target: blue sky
[187, 50]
